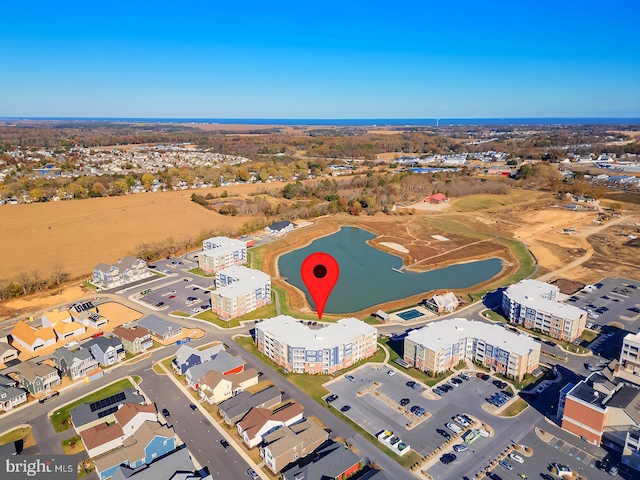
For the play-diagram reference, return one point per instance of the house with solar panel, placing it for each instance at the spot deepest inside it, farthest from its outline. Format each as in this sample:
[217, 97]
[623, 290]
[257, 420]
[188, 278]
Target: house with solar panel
[90, 414]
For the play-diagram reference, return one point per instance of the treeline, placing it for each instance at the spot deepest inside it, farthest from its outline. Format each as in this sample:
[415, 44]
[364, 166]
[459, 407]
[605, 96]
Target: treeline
[26, 283]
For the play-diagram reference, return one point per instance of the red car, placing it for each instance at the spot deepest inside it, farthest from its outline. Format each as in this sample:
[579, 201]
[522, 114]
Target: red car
[172, 296]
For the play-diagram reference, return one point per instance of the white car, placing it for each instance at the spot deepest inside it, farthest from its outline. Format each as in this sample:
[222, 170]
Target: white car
[516, 458]
[391, 373]
[483, 433]
[453, 427]
[72, 343]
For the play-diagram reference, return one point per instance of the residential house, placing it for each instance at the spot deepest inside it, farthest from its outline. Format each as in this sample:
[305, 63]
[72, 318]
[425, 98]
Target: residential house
[91, 319]
[223, 362]
[106, 350]
[221, 252]
[288, 444]
[240, 290]
[534, 305]
[76, 363]
[7, 353]
[102, 438]
[7, 381]
[437, 198]
[131, 416]
[150, 441]
[176, 465]
[323, 348]
[51, 317]
[37, 378]
[279, 228]
[261, 421]
[64, 331]
[234, 409]
[31, 339]
[446, 303]
[134, 340]
[11, 397]
[216, 387]
[125, 270]
[90, 414]
[159, 328]
[382, 315]
[187, 357]
[440, 346]
[332, 461]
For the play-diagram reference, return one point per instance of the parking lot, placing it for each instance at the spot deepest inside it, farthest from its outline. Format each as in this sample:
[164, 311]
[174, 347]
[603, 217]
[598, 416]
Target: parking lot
[377, 412]
[187, 294]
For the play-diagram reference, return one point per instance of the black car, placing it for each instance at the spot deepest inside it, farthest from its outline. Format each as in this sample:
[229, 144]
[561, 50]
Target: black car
[332, 398]
[410, 383]
[485, 377]
[444, 433]
[159, 304]
[448, 458]
[224, 443]
[494, 476]
[165, 413]
[345, 408]
[404, 402]
[193, 406]
[260, 374]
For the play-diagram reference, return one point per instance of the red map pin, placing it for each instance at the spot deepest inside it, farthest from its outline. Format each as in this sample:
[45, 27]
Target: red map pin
[320, 273]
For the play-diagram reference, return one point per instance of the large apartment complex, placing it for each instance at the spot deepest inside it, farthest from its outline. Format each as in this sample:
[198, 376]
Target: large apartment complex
[239, 290]
[534, 305]
[439, 346]
[221, 252]
[324, 348]
[630, 354]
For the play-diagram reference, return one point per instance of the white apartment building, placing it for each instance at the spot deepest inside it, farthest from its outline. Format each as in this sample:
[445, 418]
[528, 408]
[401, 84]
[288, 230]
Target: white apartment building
[440, 346]
[240, 290]
[221, 252]
[630, 354]
[534, 305]
[321, 348]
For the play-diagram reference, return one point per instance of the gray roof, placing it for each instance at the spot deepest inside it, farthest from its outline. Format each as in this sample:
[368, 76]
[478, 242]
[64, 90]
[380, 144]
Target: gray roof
[7, 381]
[5, 347]
[10, 392]
[222, 362]
[164, 468]
[280, 225]
[103, 343]
[70, 355]
[245, 401]
[82, 414]
[31, 370]
[326, 462]
[157, 325]
[185, 351]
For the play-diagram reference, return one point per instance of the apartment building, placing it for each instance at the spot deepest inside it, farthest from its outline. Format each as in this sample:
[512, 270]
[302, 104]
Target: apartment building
[534, 305]
[440, 346]
[221, 252]
[630, 354]
[323, 348]
[240, 290]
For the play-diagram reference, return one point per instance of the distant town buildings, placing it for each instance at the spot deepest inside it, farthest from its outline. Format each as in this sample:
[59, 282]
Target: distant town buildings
[440, 346]
[534, 305]
[221, 252]
[324, 348]
[125, 270]
[436, 198]
[239, 290]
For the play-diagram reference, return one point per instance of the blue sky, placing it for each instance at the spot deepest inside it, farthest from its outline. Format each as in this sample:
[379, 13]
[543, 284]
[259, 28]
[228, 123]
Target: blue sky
[411, 59]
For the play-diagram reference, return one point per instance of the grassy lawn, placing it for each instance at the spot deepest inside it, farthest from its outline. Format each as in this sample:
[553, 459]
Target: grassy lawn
[589, 335]
[86, 467]
[254, 257]
[72, 445]
[211, 317]
[395, 348]
[136, 379]
[478, 202]
[180, 313]
[285, 309]
[61, 418]
[526, 381]
[515, 408]
[90, 285]
[495, 316]
[158, 369]
[371, 320]
[198, 271]
[22, 433]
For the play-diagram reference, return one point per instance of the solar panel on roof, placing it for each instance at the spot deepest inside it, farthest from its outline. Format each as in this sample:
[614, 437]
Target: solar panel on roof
[105, 402]
[108, 411]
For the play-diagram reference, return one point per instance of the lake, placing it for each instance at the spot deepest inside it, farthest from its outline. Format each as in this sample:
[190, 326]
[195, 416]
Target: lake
[366, 278]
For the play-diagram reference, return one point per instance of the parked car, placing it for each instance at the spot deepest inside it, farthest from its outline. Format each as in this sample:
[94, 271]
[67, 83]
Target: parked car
[193, 406]
[345, 408]
[437, 391]
[49, 397]
[160, 304]
[252, 473]
[350, 378]
[506, 465]
[417, 410]
[224, 443]
[444, 433]
[404, 402]
[448, 458]
[516, 458]
[72, 343]
[460, 448]
[391, 373]
[165, 413]
[331, 398]
[453, 427]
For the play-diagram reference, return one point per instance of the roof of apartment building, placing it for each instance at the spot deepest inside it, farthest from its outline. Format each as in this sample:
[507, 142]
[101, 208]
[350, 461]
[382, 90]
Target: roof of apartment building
[164, 468]
[284, 439]
[296, 333]
[131, 334]
[31, 370]
[248, 280]
[130, 410]
[439, 335]
[222, 246]
[222, 362]
[245, 401]
[101, 434]
[529, 293]
[258, 417]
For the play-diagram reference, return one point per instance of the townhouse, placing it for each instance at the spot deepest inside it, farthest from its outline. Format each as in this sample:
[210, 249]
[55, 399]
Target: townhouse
[440, 346]
[134, 340]
[279, 228]
[221, 252]
[239, 290]
[223, 362]
[323, 348]
[37, 378]
[125, 270]
[7, 353]
[534, 305]
[187, 357]
[261, 421]
[215, 387]
[159, 328]
[10, 397]
[106, 350]
[76, 363]
[234, 409]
